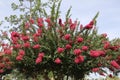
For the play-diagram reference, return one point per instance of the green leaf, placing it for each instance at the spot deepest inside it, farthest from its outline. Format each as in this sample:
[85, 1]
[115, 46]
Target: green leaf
[96, 16]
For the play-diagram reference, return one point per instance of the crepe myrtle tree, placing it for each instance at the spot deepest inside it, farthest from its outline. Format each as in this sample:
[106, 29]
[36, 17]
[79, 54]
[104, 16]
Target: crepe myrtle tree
[43, 44]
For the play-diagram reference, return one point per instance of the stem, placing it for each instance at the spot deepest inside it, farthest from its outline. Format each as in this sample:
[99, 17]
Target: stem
[67, 77]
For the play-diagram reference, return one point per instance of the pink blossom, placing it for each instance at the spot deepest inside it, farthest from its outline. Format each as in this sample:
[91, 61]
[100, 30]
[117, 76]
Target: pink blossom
[67, 36]
[26, 44]
[40, 22]
[57, 61]
[25, 38]
[17, 46]
[77, 51]
[38, 60]
[84, 48]
[60, 50]
[76, 60]
[94, 53]
[1, 70]
[72, 26]
[95, 69]
[37, 46]
[79, 59]
[31, 21]
[41, 55]
[79, 39]
[90, 25]
[106, 45]
[115, 64]
[48, 20]
[68, 46]
[21, 52]
[8, 51]
[15, 34]
[19, 58]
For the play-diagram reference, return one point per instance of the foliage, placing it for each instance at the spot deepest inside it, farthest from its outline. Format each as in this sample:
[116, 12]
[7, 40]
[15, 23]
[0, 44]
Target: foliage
[43, 44]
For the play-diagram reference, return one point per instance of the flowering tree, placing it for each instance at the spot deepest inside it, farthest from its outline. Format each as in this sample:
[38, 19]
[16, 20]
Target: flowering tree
[44, 45]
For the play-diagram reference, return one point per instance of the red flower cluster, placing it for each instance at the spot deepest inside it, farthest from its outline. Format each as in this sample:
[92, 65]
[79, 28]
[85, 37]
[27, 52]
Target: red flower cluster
[5, 63]
[79, 59]
[90, 25]
[57, 61]
[60, 50]
[115, 64]
[39, 58]
[20, 56]
[96, 53]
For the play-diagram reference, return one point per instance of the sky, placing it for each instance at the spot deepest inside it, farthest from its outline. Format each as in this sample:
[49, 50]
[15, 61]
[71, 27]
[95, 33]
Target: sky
[84, 10]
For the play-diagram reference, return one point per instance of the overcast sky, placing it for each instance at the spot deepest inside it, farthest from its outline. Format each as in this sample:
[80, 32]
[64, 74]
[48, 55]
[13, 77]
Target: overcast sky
[84, 10]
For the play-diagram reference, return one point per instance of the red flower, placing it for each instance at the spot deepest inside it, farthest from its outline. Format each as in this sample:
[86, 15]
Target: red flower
[91, 22]
[111, 76]
[73, 26]
[26, 45]
[1, 70]
[14, 39]
[2, 65]
[41, 55]
[79, 59]
[84, 48]
[19, 58]
[60, 23]
[39, 31]
[21, 52]
[102, 53]
[76, 60]
[38, 60]
[15, 34]
[115, 64]
[94, 53]
[90, 25]
[67, 36]
[37, 46]
[8, 51]
[79, 39]
[31, 21]
[48, 20]
[95, 69]
[60, 50]
[57, 61]
[77, 51]
[106, 45]
[68, 46]
[40, 22]
[36, 35]
[17, 46]
[25, 38]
